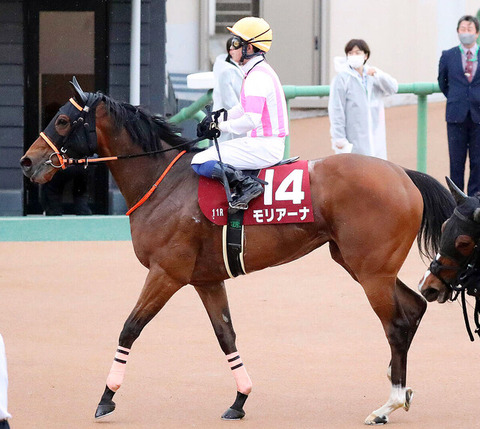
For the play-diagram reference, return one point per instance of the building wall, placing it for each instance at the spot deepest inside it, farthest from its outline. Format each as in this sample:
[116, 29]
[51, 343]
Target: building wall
[152, 55]
[152, 58]
[406, 37]
[12, 84]
[11, 106]
[183, 30]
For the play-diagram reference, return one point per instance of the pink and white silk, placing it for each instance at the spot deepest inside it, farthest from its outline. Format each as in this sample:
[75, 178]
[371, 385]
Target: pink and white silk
[262, 102]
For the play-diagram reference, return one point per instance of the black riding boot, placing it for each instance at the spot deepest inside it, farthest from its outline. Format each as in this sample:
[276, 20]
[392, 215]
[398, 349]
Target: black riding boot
[245, 188]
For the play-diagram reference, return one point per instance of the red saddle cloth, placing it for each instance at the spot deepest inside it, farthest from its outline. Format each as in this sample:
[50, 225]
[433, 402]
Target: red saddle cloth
[286, 198]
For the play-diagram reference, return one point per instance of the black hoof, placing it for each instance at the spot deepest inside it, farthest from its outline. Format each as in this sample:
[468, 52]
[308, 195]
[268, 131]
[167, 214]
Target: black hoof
[232, 414]
[381, 420]
[103, 410]
[235, 412]
[106, 405]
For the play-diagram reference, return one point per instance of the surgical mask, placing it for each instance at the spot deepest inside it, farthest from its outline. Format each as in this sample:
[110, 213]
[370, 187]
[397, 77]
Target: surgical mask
[467, 38]
[355, 61]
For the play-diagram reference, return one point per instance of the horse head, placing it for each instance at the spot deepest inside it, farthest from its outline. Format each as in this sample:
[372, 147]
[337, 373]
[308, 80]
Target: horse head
[70, 134]
[457, 265]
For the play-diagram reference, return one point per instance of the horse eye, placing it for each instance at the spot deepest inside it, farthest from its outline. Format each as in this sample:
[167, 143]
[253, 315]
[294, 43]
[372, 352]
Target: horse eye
[62, 121]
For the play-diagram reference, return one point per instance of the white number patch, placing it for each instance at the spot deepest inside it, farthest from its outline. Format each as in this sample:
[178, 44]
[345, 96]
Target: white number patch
[296, 195]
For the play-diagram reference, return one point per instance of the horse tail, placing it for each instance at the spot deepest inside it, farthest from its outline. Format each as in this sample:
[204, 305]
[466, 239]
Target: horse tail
[438, 205]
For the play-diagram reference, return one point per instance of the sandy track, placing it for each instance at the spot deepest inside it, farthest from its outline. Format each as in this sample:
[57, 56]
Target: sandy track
[313, 347]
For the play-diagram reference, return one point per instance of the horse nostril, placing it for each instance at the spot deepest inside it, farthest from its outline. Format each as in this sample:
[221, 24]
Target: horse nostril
[430, 294]
[26, 163]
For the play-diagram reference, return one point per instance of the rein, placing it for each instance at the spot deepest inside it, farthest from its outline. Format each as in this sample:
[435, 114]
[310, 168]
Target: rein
[65, 161]
[155, 185]
[79, 115]
[468, 275]
[461, 287]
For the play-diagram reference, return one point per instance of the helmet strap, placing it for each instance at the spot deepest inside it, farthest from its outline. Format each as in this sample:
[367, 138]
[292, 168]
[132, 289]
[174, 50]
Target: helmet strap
[246, 56]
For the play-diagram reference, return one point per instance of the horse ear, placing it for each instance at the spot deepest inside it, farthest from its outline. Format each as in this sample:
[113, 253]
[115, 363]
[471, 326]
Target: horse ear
[459, 196]
[78, 90]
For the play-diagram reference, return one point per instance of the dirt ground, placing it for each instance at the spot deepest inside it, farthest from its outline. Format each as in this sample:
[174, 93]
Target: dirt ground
[314, 349]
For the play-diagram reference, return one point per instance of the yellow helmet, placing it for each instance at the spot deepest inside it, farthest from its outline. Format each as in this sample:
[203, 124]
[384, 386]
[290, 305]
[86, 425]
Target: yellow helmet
[255, 31]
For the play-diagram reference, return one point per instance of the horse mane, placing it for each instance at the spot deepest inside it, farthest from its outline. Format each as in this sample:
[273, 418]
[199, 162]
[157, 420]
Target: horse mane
[146, 130]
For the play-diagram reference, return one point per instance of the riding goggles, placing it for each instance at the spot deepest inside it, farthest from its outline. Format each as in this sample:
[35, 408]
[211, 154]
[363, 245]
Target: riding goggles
[237, 43]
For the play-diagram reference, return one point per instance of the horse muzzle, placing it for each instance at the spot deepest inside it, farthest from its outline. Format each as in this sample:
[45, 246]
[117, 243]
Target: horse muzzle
[37, 170]
[433, 289]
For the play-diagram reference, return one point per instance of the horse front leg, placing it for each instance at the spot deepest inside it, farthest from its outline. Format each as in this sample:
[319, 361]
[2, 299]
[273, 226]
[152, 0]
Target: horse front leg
[214, 298]
[400, 311]
[158, 289]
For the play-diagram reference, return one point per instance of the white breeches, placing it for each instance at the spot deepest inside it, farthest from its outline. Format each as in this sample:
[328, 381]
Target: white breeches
[246, 153]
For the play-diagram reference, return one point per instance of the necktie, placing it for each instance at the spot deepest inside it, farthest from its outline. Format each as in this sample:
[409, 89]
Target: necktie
[469, 66]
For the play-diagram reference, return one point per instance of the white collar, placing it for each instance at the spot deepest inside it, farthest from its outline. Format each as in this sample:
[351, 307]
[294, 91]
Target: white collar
[473, 49]
[252, 63]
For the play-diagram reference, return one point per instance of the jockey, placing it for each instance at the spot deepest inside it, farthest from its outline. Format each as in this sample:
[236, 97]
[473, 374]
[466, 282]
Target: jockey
[261, 114]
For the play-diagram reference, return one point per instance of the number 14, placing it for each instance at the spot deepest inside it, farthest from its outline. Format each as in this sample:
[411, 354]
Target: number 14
[296, 195]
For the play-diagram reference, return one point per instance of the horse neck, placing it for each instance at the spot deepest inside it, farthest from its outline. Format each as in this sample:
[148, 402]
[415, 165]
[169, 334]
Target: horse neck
[134, 176]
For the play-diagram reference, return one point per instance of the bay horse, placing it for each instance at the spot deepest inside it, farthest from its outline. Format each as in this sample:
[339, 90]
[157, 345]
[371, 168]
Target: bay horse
[368, 210]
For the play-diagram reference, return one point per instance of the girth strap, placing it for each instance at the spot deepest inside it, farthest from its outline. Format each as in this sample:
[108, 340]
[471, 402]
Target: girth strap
[232, 243]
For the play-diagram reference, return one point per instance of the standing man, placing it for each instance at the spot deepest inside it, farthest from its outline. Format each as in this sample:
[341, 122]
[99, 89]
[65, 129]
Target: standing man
[261, 114]
[460, 83]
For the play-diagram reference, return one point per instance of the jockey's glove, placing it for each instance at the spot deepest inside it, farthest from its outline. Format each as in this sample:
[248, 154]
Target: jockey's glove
[208, 128]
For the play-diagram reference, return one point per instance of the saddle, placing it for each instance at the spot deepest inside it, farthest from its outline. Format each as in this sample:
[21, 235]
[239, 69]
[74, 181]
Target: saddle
[286, 200]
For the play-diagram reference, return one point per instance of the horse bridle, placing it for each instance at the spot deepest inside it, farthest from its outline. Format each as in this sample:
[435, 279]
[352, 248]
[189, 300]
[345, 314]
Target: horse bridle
[466, 271]
[81, 119]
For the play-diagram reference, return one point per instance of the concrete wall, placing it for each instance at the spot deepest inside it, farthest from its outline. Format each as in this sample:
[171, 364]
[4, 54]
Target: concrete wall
[406, 37]
[183, 44]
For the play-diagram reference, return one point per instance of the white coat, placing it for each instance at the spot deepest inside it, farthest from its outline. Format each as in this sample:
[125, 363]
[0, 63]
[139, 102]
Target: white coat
[4, 414]
[227, 85]
[357, 116]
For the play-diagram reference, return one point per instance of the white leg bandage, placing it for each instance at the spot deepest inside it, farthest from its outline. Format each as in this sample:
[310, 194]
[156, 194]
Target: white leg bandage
[117, 371]
[244, 384]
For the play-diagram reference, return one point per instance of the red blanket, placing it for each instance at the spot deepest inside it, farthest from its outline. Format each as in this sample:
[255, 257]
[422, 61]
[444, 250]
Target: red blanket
[286, 198]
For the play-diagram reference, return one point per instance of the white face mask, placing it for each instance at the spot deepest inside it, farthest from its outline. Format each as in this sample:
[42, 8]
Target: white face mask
[355, 61]
[467, 38]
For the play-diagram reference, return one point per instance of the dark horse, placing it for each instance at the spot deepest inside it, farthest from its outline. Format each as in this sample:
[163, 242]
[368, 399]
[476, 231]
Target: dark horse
[456, 268]
[368, 210]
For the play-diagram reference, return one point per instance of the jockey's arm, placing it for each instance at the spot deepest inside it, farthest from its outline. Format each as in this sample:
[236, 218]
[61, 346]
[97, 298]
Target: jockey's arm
[247, 122]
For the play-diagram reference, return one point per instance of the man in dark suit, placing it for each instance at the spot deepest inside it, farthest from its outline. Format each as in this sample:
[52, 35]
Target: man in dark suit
[459, 80]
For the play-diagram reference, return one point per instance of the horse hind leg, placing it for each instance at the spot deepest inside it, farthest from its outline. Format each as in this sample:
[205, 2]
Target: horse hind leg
[158, 289]
[400, 313]
[215, 301]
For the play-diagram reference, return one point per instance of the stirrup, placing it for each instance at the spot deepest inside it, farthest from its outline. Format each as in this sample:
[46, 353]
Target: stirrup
[236, 205]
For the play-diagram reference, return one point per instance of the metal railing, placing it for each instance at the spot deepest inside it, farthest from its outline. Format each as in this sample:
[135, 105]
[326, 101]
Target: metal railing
[420, 89]
[101, 228]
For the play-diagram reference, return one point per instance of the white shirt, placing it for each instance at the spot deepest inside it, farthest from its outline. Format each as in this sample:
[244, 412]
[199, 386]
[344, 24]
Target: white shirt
[3, 382]
[474, 51]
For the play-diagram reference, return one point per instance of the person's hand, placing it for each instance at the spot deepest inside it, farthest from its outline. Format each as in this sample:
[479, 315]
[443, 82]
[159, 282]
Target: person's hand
[371, 71]
[208, 128]
[213, 132]
[218, 117]
[203, 126]
[341, 146]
